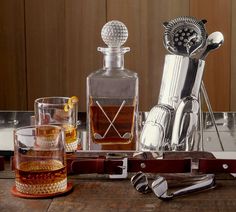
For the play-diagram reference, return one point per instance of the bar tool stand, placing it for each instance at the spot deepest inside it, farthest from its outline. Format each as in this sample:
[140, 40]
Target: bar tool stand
[173, 123]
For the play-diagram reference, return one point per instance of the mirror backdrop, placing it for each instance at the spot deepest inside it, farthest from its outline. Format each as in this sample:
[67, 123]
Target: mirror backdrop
[47, 48]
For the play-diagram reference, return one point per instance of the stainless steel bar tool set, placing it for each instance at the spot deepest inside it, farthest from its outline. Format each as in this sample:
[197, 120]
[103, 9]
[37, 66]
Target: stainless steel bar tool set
[172, 123]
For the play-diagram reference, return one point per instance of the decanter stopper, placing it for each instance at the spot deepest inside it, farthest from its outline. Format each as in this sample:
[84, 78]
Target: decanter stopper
[114, 34]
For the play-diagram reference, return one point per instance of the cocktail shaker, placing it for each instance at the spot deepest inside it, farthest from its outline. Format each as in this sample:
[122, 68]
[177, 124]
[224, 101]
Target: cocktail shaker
[172, 123]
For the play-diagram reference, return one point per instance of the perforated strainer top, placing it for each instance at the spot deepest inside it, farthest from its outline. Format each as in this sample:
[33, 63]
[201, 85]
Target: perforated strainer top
[184, 35]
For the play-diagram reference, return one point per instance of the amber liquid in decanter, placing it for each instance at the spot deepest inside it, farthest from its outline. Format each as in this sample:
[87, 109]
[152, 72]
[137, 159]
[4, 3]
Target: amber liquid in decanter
[113, 126]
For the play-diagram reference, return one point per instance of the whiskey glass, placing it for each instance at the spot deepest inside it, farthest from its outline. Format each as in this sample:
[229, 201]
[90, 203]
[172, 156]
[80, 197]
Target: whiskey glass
[59, 111]
[40, 164]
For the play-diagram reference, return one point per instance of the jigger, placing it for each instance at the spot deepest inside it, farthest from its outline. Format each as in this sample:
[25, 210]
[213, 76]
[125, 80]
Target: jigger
[172, 123]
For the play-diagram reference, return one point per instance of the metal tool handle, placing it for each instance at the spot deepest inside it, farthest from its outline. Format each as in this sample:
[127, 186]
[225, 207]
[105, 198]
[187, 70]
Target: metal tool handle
[206, 184]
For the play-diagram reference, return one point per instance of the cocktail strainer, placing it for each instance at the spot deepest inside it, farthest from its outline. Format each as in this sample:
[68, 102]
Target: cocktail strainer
[184, 35]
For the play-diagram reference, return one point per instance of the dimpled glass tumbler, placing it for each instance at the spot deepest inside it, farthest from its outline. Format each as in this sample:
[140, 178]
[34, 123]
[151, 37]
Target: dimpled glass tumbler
[40, 164]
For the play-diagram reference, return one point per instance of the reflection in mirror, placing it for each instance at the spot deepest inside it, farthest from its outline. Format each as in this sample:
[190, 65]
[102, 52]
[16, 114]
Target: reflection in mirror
[226, 123]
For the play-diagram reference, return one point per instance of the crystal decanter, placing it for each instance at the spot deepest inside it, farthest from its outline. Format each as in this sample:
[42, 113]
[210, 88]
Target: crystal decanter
[112, 95]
